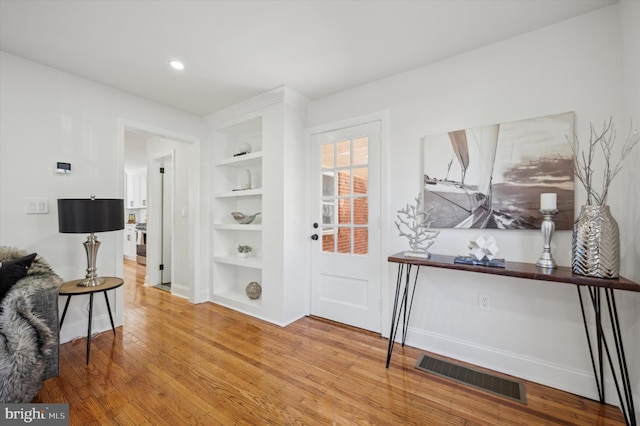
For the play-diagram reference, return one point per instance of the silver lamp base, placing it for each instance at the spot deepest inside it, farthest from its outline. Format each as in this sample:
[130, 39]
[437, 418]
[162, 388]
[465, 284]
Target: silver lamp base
[91, 246]
[90, 282]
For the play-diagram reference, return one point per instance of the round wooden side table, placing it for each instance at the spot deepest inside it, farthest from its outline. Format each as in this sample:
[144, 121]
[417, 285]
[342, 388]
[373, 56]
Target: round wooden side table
[71, 288]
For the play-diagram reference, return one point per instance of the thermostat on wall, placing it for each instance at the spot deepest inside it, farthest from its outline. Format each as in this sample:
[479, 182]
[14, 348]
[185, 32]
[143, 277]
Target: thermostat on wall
[63, 168]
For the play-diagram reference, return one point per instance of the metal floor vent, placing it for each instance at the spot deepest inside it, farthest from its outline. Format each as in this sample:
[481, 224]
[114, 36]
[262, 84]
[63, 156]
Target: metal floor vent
[488, 382]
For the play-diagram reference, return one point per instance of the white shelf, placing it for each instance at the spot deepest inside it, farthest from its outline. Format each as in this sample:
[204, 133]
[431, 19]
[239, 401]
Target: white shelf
[253, 158]
[237, 227]
[240, 193]
[237, 296]
[247, 262]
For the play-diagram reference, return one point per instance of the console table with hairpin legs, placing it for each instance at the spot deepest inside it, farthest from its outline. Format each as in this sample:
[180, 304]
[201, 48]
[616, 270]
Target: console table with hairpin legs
[610, 347]
[71, 288]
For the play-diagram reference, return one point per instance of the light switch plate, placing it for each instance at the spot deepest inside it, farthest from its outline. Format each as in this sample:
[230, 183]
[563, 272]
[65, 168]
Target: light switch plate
[36, 205]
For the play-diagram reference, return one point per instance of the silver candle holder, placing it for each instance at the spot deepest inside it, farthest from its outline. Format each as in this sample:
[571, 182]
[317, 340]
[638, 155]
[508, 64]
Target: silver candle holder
[547, 227]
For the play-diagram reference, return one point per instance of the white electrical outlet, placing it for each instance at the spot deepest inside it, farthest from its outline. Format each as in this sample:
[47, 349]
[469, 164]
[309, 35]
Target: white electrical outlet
[484, 303]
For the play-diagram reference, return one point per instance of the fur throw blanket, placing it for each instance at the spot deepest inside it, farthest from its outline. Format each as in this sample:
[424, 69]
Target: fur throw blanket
[25, 339]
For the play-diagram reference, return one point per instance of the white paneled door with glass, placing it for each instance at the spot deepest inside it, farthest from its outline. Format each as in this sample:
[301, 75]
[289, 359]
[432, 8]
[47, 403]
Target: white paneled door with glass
[345, 282]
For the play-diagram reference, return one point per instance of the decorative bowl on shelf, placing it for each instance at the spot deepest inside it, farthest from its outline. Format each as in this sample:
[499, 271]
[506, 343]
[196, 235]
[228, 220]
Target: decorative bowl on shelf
[243, 218]
[245, 147]
[253, 290]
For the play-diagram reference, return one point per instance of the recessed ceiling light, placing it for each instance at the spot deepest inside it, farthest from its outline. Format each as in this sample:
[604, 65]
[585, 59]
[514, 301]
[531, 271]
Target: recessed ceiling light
[176, 65]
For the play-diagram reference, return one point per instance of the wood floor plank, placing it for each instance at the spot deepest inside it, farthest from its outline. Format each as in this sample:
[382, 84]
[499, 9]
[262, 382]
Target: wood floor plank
[174, 363]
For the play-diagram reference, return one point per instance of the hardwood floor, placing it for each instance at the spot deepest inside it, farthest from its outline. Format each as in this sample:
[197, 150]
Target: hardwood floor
[177, 363]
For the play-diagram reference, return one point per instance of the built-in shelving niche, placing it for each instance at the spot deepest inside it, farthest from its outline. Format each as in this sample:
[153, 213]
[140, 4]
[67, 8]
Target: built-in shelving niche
[232, 273]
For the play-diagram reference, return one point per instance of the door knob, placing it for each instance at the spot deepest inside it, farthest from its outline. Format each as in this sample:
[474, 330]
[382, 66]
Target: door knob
[314, 237]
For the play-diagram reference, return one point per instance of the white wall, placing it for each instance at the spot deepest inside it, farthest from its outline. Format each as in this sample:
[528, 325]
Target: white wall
[48, 116]
[627, 200]
[534, 329]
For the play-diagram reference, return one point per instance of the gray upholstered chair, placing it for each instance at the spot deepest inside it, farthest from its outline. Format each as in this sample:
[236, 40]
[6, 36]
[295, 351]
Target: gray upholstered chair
[29, 330]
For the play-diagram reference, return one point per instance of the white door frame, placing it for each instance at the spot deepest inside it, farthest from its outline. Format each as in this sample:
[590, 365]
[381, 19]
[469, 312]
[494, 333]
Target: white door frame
[154, 206]
[384, 118]
[198, 289]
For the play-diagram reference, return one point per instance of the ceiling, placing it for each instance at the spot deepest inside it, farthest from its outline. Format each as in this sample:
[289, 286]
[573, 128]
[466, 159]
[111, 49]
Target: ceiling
[234, 50]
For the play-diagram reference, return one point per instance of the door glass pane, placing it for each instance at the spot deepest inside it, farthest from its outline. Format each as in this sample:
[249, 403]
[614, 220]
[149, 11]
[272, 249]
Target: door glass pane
[328, 213]
[344, 153]
[344, 182]
[361, 151]
[344, 211]
[361, 180]
[344, 240]
[328, 240]
[328, 184]
[360, 241]
[345, 201]
[361, 211]
[327, 156]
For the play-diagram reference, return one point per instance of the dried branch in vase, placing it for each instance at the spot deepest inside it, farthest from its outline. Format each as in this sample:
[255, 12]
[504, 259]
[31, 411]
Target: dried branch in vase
[417, 224]
[602, 141]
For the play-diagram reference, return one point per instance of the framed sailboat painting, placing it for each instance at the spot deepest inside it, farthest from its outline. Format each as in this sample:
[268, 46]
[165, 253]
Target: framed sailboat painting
[492, 176]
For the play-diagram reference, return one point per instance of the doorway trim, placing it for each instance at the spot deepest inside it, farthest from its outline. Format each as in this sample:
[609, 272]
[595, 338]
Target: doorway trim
[155, 205]
[197, 288]
[383, 117]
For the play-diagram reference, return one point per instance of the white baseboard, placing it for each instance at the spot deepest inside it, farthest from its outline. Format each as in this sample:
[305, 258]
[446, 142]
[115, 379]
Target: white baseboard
[180, 290]
[563, 377]
[72, 330]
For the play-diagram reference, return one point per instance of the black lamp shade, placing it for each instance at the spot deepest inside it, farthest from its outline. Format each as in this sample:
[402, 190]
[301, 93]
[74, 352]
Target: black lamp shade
[85, 215]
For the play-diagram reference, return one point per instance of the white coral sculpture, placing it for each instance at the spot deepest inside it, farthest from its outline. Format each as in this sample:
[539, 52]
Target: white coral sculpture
[416, 224]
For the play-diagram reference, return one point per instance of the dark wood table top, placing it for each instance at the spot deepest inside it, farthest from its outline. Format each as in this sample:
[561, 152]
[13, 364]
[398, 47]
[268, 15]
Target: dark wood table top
[562, 274]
